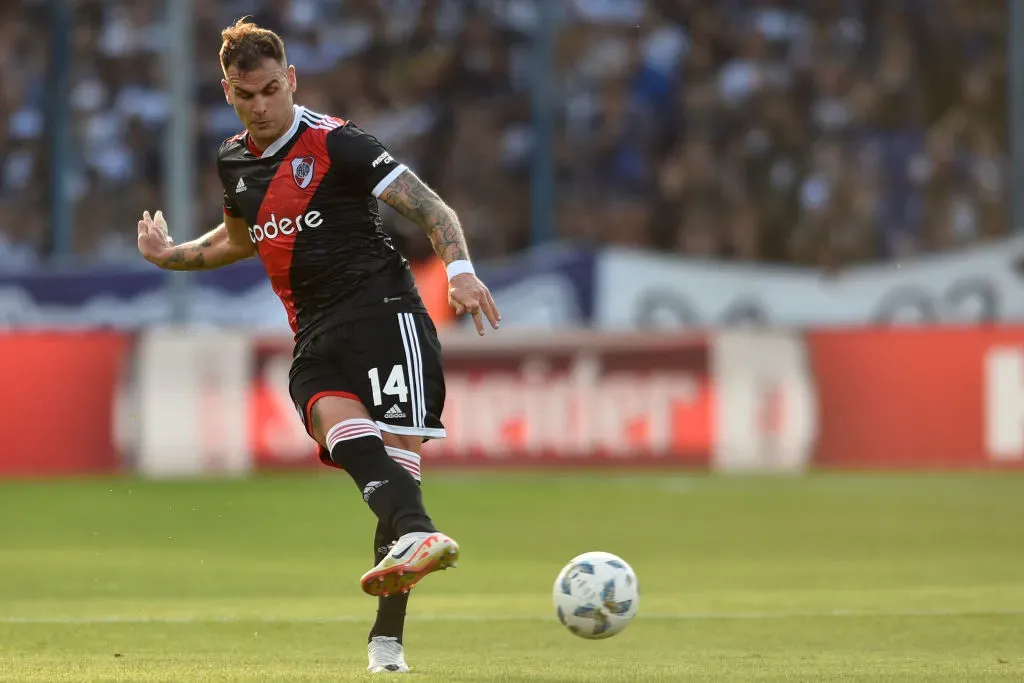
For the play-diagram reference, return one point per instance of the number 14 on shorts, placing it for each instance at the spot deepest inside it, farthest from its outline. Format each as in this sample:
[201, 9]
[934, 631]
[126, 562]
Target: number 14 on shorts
[394, 386]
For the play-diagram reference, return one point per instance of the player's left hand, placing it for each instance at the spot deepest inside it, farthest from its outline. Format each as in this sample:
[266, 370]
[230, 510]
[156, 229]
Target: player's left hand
[466, 294]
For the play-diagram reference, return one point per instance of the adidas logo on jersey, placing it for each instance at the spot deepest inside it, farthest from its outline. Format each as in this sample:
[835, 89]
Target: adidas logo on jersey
[240, 187]
[286, 226]
[394, 413]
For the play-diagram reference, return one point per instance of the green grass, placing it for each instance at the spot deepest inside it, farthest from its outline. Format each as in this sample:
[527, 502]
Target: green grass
[821, 578]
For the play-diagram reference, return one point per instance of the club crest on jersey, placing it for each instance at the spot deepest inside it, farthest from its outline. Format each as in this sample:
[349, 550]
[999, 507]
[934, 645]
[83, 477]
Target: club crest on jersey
[302, 171]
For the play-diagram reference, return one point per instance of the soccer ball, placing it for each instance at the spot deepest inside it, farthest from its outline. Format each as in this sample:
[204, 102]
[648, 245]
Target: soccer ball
[596, 595]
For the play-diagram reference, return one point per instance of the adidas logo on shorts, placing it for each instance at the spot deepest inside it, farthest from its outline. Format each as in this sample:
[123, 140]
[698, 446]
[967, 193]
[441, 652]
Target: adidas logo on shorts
[394, 413]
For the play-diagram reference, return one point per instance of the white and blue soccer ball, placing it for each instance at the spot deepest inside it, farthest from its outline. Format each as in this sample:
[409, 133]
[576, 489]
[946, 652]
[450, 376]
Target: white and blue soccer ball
[596, 595]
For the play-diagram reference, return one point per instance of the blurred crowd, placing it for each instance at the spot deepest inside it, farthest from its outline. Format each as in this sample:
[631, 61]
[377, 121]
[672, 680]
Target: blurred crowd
[818, 132]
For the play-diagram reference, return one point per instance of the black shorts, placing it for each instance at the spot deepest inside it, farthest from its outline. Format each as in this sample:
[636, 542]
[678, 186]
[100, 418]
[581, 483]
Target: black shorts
[389, 363]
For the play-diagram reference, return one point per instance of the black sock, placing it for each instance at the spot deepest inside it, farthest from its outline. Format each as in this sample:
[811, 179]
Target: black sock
[389, 490]
[391, 609]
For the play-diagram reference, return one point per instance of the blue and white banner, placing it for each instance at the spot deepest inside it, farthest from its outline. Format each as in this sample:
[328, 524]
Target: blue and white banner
[638, 290]
[558, 288]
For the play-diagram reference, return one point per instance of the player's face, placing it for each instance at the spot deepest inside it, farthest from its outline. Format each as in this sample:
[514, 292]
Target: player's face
[262, 98]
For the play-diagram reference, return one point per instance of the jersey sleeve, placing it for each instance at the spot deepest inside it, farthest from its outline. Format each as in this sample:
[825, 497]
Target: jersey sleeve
[362, 161]
[231, 207]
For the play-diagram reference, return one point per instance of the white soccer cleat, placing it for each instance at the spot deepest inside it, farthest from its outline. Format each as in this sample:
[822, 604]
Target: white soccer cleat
[412, 557]
[387, 656]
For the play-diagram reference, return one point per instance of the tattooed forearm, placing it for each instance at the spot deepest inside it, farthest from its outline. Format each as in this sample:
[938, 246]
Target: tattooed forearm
[189, 256]
[413, 199]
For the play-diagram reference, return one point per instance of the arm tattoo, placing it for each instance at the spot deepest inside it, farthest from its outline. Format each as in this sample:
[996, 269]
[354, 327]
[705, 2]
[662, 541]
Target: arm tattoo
[179, 261]
[413, 199]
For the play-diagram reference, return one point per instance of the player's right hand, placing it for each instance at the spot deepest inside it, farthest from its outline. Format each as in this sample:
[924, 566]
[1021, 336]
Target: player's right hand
[154, 242]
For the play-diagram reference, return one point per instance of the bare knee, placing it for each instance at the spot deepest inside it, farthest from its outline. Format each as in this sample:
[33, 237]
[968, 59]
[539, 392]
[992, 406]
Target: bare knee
[330, 410]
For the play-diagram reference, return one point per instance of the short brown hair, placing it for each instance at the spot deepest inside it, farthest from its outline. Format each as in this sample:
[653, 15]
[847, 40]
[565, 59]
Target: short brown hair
[246, 45]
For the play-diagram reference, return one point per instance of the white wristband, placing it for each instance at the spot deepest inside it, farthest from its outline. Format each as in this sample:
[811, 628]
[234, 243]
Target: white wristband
[458, 268]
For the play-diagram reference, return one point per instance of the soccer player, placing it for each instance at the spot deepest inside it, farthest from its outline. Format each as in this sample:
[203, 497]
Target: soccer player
[301, 192]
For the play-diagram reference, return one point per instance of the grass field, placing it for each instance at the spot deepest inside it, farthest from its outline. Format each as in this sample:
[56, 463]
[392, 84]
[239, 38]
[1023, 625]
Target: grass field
[822, 578]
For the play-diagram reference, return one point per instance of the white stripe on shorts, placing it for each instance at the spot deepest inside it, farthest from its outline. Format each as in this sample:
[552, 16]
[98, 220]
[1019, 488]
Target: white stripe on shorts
[417, 354]
[429, 432]
[413, 370]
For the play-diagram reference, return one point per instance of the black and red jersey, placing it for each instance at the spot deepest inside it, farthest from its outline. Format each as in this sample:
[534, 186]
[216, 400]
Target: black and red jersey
[310, 200]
